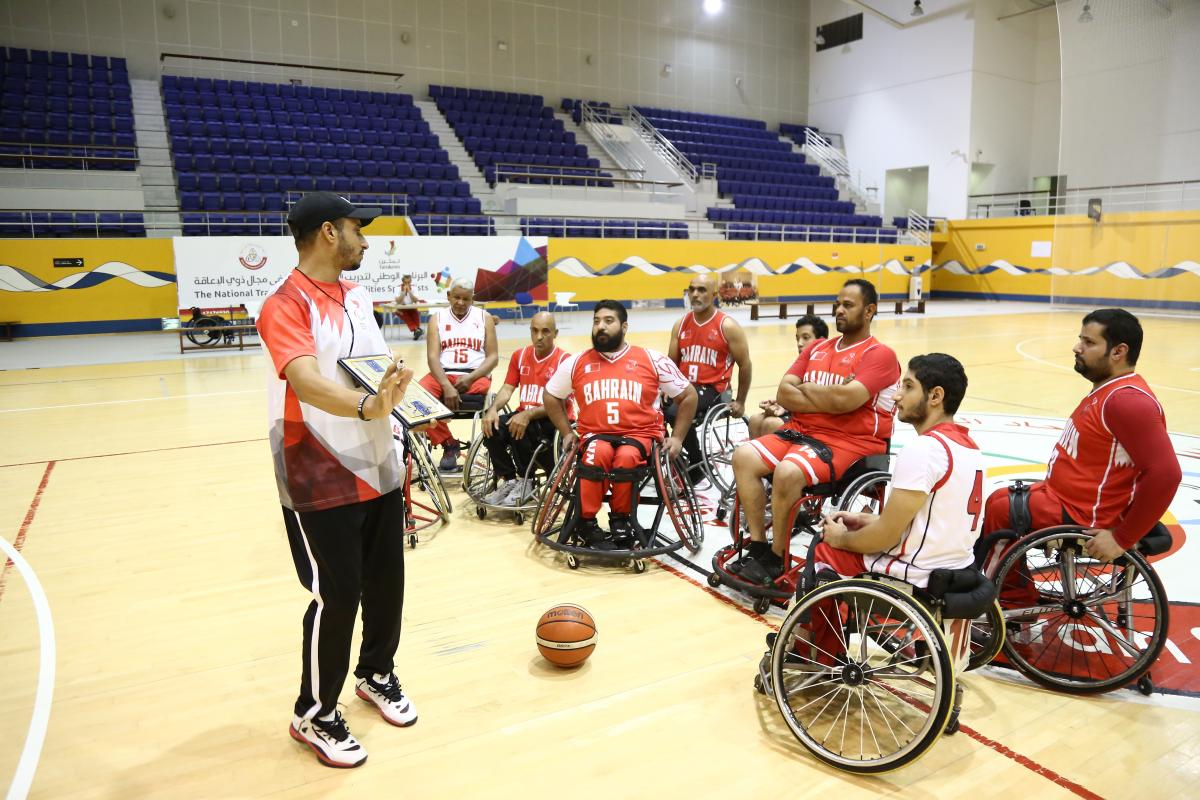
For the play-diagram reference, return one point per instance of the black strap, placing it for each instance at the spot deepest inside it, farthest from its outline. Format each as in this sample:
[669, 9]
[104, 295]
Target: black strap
[1020, 519]
[820, 448]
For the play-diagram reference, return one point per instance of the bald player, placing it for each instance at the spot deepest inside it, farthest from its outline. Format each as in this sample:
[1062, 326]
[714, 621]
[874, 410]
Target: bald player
[511, 437]
[706, 344]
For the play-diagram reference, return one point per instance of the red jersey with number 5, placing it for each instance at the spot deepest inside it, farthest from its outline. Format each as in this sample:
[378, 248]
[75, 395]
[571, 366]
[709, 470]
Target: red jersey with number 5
[619, 393]
[704, 357]
[1090, 472]
[945, 464]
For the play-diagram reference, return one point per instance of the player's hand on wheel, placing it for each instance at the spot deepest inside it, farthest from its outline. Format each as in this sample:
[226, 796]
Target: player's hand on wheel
[737, 409]
[569, 441]
[674, 446]
[1103, 545]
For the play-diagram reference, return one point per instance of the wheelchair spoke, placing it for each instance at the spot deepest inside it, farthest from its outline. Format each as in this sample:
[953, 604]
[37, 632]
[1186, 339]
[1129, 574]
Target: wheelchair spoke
[1067, 570]
[808, 643]
[885, 711]
[890, 711]
[862, 638]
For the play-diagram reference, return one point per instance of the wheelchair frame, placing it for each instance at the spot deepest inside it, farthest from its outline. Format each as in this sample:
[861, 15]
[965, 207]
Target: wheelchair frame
[558, 510]
[716, 429]
[420, 515]
[478, 478]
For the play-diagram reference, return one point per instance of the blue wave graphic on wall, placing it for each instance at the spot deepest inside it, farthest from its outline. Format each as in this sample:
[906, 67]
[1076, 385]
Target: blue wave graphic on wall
[13, 279]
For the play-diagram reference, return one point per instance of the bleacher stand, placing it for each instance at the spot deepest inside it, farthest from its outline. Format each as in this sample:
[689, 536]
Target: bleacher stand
[603, 228]
[240, 147]
[517, 129]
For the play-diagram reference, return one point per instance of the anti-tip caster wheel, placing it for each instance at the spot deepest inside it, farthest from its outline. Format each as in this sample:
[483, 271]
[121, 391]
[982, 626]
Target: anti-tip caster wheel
[714, 579]
[762, 605]
[722, 513]
[758, 685]
[481, 512]
[639, 565]
[520, 518]
[572, 561]
[951, 726]
[1145, 685]
[412, 541]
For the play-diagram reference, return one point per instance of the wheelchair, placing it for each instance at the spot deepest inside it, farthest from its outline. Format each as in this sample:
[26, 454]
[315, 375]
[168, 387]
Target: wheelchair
[429, 505]
[1091, 627]
[882, 690]
[860, 489]
[471, 406]
[479, 479]
[720, 433]
[660, 483]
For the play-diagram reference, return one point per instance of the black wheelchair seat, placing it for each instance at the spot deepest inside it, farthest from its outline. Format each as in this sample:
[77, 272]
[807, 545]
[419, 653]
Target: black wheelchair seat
[875, 463]
[962, 593]
[1156, 542]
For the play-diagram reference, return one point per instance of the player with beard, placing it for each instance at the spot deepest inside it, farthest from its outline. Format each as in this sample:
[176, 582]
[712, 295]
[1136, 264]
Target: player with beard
[1115, 442]
[706, 344]
[616, 387]
[338, 477]
[840, 394]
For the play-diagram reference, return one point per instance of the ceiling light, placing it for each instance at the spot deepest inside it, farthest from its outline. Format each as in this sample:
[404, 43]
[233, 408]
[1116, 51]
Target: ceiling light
[713, 6]
[917, 11]
[1086, 16]
[820, 40]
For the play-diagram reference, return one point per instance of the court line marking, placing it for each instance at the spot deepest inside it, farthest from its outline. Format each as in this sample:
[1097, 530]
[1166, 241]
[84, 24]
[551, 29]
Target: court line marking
[1025, 761]
[139, 452]
[23, 531]
[131, 400]
[1072, 369]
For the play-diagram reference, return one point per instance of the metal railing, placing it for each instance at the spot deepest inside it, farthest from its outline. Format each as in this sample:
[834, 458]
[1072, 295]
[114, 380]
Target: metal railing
[597, 121]
[559, 176]
[918, 227]
[663, 147]
[833, 161]
[1163, 196]
[28, 155]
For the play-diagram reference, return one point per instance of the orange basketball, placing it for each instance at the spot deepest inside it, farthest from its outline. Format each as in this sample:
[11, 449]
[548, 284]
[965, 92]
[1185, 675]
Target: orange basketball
[566, 635]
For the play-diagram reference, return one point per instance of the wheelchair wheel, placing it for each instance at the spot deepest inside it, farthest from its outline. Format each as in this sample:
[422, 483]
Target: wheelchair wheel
[478, 479]
[427, 475]
[987, 637]
[862, 675]
[1077, 624]
[719, 435]
[678, 496]
[865, 494]
[556, 496]
[205, 338]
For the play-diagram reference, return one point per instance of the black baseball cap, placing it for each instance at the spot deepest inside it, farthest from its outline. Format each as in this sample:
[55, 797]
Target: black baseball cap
[316, 208]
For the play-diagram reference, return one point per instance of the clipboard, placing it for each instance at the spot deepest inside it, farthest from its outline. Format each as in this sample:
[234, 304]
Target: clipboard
[417, 407]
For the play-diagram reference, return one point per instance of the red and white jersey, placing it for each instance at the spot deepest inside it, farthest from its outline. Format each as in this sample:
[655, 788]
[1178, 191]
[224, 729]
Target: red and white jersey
[1090, 472]
[462, 339]
[826, 362]
[529, 374]
[704, 356]
[321, 460]
[946, 464]
[618, 393]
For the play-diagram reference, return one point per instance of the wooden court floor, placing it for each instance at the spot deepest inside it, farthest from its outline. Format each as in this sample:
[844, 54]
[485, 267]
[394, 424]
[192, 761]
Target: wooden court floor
[143, 496]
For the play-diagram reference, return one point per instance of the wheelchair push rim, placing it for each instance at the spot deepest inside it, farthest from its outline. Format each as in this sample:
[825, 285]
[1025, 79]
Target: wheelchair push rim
[1095, 627]
[881, 695]
[479, 479]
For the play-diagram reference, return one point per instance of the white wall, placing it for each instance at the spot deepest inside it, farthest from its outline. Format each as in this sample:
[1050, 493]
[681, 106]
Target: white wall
[906, 190]
[900, 98]
[455, 42]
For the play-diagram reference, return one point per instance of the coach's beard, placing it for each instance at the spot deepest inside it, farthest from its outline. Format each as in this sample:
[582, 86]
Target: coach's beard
[608, 344]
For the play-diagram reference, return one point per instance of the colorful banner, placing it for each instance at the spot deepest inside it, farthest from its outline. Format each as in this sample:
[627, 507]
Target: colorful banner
[641, 269]
[237, 270]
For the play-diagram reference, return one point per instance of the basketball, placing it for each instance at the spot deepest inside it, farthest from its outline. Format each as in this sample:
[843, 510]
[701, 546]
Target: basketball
[566, 635]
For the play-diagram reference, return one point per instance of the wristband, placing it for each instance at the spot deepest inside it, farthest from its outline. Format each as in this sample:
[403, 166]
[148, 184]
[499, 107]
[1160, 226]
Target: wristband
[362, 402]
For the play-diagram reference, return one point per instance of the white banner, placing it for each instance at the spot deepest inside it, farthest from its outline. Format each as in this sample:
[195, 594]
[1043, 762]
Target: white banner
[219, 271]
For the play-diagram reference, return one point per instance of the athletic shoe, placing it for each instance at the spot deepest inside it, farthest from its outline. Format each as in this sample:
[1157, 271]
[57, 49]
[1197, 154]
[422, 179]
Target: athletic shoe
[754, 550]
[418, 333]
[503, 490]
[520, 494]
[449, 462]
[763, 570]
[593, 536]
[330, 740]
[622, 530]
[385, 692]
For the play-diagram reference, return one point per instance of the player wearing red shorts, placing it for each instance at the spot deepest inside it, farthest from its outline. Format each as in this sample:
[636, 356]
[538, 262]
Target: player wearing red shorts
[461, 351]
[616, 388]
[1113, 470]
[840, 392]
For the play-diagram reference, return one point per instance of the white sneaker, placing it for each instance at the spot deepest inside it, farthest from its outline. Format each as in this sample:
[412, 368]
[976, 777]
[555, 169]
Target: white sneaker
[385, 692]
[330, 740]
[502, 491]
[519, 494]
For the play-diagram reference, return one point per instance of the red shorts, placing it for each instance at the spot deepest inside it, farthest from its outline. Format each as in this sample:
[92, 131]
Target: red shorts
[440, 434]
[773, 449]
[843, 562]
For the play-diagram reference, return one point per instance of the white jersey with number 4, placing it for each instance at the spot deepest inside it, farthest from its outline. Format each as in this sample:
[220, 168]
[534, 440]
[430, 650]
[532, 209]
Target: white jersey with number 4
[946, 464]
[462, 339]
